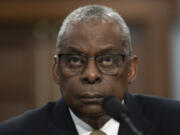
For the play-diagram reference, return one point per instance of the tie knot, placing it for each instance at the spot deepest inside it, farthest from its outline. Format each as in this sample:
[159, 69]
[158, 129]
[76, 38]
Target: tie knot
[97, 132]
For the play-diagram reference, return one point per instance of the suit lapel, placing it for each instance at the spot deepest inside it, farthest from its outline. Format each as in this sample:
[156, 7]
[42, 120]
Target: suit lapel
[137, 117]
[62, 119]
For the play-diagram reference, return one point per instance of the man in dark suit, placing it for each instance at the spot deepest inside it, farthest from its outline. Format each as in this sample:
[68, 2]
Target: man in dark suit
[94, 59]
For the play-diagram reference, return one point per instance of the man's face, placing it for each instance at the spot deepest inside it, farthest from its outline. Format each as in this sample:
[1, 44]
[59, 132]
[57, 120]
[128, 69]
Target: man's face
[84, 92]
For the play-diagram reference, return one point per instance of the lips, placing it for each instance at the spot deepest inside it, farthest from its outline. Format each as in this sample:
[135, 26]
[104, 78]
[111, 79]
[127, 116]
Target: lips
[91, 98]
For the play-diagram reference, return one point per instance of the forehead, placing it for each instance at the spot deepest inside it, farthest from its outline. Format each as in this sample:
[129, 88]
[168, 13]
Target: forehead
[94, 36]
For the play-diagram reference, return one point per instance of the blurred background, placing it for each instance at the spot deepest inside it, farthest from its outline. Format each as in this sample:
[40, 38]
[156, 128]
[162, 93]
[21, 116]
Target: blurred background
[28, 31]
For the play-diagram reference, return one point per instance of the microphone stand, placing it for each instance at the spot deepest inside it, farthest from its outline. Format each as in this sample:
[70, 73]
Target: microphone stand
[114, 108]
[127, 120]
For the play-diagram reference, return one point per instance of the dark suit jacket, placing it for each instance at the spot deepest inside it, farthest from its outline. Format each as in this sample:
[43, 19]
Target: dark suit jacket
[152, 115]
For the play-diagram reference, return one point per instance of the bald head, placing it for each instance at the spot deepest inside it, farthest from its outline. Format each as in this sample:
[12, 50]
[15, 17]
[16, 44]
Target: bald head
[90, 15]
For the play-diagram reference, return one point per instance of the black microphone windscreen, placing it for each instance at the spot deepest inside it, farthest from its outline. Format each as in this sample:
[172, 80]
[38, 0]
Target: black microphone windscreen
[113, 107]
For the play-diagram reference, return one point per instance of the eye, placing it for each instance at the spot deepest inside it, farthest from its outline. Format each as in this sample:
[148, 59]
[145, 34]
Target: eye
[75, 60]
[107, 60]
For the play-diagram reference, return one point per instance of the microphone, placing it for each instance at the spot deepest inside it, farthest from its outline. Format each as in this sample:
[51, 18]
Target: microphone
[114, 108]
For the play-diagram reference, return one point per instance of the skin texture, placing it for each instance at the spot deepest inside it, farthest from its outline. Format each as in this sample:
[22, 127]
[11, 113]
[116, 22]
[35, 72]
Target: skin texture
[84, 92]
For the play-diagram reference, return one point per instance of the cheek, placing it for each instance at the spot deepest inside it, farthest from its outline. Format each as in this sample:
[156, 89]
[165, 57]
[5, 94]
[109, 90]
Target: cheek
[70, 90]
[69, 86]
[119, 88]
[116, 85]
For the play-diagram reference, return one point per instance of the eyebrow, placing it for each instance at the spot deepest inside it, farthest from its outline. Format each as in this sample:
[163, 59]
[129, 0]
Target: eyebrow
[104, 51]
[74, 50]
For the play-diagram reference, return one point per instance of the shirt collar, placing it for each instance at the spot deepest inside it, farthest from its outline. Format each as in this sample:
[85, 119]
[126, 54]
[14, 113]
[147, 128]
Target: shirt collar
[111, 127]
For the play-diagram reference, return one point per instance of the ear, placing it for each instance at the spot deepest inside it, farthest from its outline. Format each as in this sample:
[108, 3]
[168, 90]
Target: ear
[55, 71]
[132, 69]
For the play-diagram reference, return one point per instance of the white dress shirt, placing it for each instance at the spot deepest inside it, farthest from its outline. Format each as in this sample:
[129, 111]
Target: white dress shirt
[111, 127]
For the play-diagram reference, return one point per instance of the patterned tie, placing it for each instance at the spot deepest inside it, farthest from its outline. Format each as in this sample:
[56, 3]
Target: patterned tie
[97, 132]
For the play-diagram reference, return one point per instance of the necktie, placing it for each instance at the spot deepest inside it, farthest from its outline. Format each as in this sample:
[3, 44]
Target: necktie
[97, 132]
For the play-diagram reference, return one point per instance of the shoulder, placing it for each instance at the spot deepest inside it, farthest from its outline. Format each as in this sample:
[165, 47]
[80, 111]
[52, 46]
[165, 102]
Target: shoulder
[160, 110]
[27, 122]
[159, 114]
[158, 104]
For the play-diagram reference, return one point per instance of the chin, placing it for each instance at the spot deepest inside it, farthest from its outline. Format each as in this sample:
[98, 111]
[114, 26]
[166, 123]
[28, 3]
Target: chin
[91, 111]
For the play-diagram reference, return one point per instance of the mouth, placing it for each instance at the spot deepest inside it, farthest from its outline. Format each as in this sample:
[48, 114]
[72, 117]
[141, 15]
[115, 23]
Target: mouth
[91, 98]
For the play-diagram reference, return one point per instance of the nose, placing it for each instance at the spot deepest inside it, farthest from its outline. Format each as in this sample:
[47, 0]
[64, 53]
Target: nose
[91, 74]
